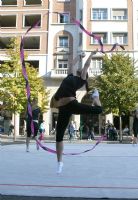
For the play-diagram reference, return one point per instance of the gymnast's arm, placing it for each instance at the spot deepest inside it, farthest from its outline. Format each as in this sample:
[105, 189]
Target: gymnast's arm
[72, 64]
[86, 65]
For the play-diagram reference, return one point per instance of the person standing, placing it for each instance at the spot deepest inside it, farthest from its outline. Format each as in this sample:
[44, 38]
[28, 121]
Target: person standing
[71, 130]
[65, 101]
[41, 133]
[91, 134]
[11, 129]
[135, 127]
[35, 117]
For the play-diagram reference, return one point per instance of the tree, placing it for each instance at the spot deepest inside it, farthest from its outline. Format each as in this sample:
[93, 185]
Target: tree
[12, 83]
[118, 85]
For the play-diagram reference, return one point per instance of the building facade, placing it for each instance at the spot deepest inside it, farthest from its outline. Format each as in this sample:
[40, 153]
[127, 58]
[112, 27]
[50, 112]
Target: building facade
[16, 16]
[113, 22]
[57, 39]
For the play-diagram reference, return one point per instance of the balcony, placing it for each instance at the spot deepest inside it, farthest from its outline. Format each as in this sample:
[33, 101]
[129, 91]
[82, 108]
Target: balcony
[59, 73]
[62, 73]
[62, 50]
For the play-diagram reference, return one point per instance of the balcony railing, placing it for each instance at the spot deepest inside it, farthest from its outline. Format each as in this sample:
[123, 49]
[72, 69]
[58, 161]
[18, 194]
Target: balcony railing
[57, 73]
[64, 49]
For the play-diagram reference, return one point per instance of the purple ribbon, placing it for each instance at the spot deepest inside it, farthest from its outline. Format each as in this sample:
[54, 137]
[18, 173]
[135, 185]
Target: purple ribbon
[29, 108]
[71, 154]
[28, 89]
[96, 37]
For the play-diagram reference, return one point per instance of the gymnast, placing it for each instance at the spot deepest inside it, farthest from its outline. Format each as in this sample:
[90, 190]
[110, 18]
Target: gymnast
[65, 100]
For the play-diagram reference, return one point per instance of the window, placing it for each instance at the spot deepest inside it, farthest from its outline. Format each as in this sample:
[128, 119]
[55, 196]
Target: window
[5, 42]
[96, 66]
[97, 63]
[32, 43]
[64, 18]
[30, 20]
[8, 21]
[8, 2]
[119, 14]
[62, 64]
[103, 38]
[120, 38]
[99, 14]
[32, 2]
[63, 41]
[33, 63]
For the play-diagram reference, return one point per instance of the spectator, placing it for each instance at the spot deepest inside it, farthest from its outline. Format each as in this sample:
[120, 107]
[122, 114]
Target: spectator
[112, 133]
[135, 127]
[11, 128]
[126, 130]
[107, 127]
[1, 129]
[71, 130]
[91, 133]
[41, 132]
[35, 117]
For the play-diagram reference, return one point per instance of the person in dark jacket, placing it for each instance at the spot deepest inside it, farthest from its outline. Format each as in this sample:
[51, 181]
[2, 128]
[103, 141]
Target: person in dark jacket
[67, 104]
[135, 127]
[35, 117]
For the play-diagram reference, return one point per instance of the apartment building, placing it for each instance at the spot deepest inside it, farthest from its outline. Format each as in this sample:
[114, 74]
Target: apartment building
[135, 28]
[16, 16]
[113, 21]
[48, 45]
[57, 40]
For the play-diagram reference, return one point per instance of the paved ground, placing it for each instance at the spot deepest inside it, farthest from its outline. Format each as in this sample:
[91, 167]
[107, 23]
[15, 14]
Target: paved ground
[107, 172]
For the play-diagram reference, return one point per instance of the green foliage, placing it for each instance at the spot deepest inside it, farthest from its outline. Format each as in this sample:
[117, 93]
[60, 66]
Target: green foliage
[12, 83]
[118, 84]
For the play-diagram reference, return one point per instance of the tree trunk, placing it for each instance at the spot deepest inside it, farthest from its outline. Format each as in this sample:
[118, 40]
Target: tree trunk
[16, 126]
